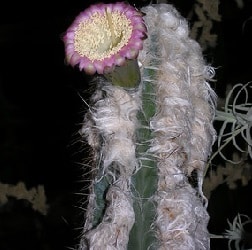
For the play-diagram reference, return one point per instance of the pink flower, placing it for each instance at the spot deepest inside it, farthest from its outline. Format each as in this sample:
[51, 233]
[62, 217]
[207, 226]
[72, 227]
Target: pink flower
[103, 36]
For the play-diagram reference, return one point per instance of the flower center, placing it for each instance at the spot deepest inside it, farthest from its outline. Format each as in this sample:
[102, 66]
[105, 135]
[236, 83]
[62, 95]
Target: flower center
[102, 35]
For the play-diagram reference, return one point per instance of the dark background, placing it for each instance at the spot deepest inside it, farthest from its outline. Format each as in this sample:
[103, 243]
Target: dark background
[41, 112]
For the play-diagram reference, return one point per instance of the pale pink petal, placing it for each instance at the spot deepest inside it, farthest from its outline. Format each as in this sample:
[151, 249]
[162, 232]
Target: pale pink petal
[116, 56]
[99, 65]
[75, 59]
[90, 69]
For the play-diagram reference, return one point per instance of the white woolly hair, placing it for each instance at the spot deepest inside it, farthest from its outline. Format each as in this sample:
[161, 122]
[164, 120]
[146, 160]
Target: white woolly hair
[109, 128]
[183, 133]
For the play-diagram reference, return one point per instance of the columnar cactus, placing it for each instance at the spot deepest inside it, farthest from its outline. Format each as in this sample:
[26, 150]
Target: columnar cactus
[149, 125]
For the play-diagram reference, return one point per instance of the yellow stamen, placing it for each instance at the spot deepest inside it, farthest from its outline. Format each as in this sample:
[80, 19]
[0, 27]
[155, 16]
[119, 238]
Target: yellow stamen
[102, 35]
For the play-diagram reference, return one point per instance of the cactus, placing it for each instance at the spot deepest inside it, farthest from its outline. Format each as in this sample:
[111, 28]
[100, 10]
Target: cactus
[150, 127]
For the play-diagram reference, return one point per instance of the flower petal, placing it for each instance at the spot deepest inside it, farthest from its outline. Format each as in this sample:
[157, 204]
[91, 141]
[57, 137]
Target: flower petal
[103, 36]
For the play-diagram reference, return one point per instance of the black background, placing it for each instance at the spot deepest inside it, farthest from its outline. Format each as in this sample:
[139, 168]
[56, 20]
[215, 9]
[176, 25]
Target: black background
[41, 112]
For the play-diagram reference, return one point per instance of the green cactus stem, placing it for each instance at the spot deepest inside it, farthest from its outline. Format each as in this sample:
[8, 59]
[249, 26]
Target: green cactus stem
[144, 181]
[150, 128]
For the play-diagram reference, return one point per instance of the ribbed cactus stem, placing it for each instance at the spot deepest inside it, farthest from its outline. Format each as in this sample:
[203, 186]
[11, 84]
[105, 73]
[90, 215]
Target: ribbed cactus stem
[110, 130]
[151, 144]
[112, 232]
[144, 181]
[182, 129]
